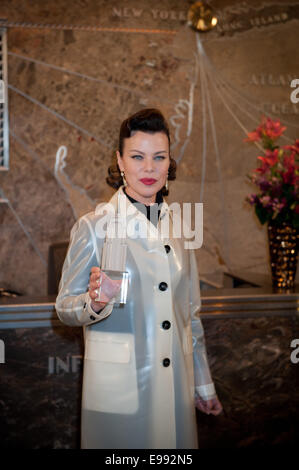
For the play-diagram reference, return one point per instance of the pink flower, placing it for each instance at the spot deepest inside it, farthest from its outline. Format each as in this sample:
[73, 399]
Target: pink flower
[289, 176]
[277, 175]
[265, 200]
[272, 129]
[293, 148]
[271, 158]
[253, 136]
[267, 129]
[252, 199]
[289, 160]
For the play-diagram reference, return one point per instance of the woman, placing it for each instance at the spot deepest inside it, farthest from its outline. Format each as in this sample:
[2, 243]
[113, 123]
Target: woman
[138, 380]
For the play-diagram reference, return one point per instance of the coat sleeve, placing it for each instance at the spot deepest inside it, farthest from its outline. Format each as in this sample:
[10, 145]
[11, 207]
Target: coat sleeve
[73, 301]
[204, 386]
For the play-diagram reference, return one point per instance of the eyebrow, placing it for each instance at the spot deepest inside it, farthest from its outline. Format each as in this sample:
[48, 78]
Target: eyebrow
[139, 151]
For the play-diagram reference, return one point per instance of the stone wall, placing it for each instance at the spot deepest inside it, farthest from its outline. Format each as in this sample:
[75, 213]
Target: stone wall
[71, 88]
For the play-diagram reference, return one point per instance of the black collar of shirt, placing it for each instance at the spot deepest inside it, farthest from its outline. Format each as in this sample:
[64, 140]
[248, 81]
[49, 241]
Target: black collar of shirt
[153, 211]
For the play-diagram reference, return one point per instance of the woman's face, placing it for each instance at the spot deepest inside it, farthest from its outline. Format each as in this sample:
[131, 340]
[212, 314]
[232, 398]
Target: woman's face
[145, 163]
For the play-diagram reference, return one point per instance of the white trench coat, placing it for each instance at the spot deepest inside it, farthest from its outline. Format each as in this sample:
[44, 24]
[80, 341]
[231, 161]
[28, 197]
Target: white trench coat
[131, 398]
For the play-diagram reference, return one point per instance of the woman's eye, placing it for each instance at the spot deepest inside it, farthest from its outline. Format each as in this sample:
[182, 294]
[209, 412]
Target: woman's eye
[137, 157]
[140, 157]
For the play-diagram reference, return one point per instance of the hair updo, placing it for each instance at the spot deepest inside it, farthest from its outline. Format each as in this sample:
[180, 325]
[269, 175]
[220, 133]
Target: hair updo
[147, 120]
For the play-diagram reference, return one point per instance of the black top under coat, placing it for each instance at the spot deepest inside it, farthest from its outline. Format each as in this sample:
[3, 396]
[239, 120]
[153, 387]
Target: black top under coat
[152, 212]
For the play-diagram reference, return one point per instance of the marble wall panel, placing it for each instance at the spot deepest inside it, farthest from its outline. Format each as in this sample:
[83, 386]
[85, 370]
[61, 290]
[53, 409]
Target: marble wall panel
[256, 382]
[41, 388]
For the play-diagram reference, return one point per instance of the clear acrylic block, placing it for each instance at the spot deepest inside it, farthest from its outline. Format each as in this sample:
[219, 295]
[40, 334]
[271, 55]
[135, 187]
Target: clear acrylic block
[121, 297]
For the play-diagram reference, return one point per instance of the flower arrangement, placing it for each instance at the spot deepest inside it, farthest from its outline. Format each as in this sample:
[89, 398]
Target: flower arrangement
[277, 177]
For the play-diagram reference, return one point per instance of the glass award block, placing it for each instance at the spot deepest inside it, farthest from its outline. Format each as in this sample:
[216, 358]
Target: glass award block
[120, 297]
[114, 260]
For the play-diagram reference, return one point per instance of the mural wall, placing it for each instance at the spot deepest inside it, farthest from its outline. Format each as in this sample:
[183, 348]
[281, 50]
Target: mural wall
[73, 82]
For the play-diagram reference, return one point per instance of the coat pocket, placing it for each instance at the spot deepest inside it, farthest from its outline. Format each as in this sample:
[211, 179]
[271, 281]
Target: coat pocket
[107, 351]
[110, 376]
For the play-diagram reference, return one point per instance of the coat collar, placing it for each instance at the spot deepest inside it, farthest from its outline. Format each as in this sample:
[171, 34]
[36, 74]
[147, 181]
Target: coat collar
[125, 207]
[127, 210]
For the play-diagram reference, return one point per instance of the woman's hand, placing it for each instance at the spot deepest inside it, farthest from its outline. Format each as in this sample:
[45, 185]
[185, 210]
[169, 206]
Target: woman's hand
[212, 406]
[109, 288]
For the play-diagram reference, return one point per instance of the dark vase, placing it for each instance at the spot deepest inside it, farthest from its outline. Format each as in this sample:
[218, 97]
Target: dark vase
[283, 246]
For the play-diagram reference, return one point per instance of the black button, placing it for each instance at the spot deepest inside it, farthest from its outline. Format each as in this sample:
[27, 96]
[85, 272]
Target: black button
[163, 286]
[166, 325]
[92, 317]
[167, 248]
[166, 362]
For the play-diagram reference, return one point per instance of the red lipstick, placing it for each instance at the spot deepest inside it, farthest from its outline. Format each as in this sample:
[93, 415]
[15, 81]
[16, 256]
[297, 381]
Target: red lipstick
[148, 181]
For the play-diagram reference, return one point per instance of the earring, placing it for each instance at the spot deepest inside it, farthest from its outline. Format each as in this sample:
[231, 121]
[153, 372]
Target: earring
[166, 184]
[124, 179]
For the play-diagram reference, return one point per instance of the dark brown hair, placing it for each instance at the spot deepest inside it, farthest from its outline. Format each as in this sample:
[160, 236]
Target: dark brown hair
[147, 120]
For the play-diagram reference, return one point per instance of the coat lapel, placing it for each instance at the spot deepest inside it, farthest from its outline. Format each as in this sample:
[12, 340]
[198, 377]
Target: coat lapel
[132, 217]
